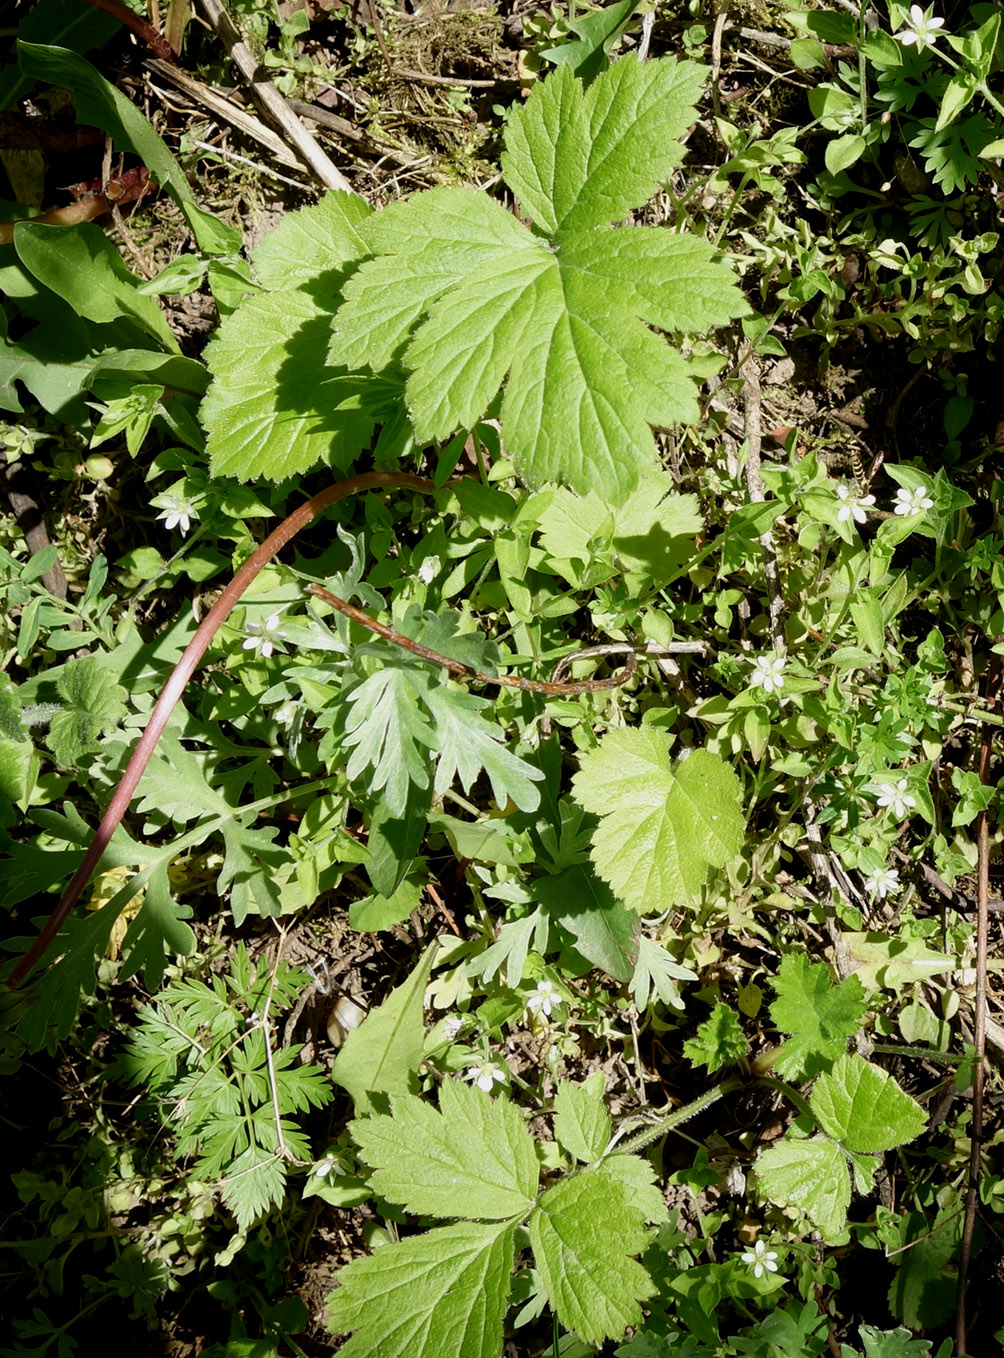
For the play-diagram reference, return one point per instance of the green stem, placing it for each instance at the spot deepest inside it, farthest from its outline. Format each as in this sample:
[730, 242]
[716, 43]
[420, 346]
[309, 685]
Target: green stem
[667, 1124]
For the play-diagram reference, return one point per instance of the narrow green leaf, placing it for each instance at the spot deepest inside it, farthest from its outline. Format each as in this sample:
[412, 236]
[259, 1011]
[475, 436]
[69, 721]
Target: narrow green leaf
[383, 1054]
[474, 1158]
[584, 1233]
[864, 1107]
[438, 1295]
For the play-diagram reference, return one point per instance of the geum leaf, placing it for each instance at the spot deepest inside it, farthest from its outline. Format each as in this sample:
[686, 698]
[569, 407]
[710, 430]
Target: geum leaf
[466, 295]
[863, 1107]
[660, 828]
[436, 1295]
[474, 1158]
[584, 1232]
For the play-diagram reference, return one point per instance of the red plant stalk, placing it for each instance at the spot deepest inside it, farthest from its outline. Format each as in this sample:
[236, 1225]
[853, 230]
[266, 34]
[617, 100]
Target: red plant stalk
[178, 680]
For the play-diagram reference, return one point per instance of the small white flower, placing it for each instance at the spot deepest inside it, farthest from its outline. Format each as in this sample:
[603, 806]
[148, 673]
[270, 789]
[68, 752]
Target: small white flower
[768, 673]
[912, 501]
[178, 511]
[899, 801]
[761, 1259]
[853, 506]
[485, 1076]
[261, 636]
[453, 1027]
[324, 1167]
[921, 28]
[882, 882]
[429, 569]
[285, 713]
[543, 999]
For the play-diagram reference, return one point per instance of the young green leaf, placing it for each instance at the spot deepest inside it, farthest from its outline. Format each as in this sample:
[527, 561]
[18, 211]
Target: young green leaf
[584, 1232]
[863, 1107]
[811, 1175]
[468, 296]
[467, 745]
[656, 970]
[820, 1016]
[720, 1040]
[474, 1158]
[660, 828]
[581, 1121]
[436, 1295]
[94, 703]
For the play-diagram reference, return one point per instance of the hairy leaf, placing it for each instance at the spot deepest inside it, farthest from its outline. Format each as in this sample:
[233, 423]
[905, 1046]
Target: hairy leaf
[811, 1175]
[660, 828]
[581, 1121]
[436, 1295]
[864, 1107]
[820, 1016]
[93, 704]
[471, 300]
[584, 1233]
[474, 1158]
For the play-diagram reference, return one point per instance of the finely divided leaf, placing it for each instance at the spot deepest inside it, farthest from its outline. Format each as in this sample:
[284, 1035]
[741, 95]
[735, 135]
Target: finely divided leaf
[437, 1295]
[467, 744]
[660, 828]
[474, 1158]
[584, 1233]
[864, 1107]
[387, 731]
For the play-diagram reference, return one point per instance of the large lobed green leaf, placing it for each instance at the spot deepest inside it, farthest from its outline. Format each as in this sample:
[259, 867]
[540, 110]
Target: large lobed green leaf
[474, 1158]
[660, 827]
[466, 296]
[437, 1295]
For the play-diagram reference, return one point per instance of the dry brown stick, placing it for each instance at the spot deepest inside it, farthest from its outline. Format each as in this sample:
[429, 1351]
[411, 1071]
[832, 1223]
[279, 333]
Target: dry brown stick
[271, 101]
[365, 140]
[980, 1034]
[754, 485]
[223, 108]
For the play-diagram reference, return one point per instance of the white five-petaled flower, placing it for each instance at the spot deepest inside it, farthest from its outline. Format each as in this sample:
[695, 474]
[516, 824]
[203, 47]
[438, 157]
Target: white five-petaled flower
[543, 999]
[324, 1167]
[261, 636]
[921, 28]
[914, 501]
[768, 673]
[761, 1259]
[882, 882]
[485, 1075]
[429, 569]
[177, 511]
[453, 1027]
[853, 506]
[896, 798]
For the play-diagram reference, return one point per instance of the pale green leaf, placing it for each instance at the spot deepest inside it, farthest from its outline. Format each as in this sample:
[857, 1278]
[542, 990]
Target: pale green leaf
[639, 1177]
[255, 1182]
[274, 409]
[383, 1054]
[811, 1175]
[581, 1121]
[656, 970]
[468, 745]
[820, 1016]
[863, 1106]
[719, 1042]
[386, 731]
[474, 1158]
[584, 1233]
[660, 828]
[93, 704]
[249, 870]
[310, 247]
[438, 1295]
[579, 160]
